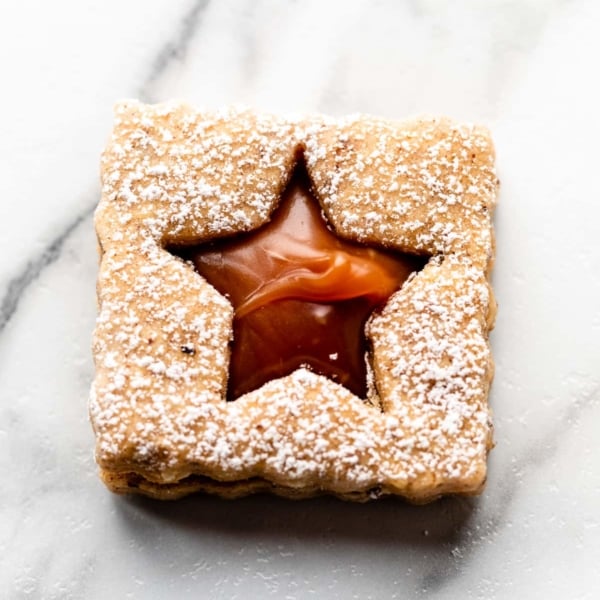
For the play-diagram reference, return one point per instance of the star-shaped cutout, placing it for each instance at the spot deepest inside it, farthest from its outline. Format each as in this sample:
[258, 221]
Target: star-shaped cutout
[301, 294]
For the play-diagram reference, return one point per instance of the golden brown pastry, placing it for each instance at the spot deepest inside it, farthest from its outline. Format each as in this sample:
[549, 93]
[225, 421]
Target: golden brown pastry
[175, 178]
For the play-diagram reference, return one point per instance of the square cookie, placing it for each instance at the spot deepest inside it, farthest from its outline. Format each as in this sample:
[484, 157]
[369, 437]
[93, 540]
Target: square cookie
[175, 177]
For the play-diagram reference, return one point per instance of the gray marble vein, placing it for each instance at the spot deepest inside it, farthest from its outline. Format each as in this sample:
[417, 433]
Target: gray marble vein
[175, 49]
[34, 267]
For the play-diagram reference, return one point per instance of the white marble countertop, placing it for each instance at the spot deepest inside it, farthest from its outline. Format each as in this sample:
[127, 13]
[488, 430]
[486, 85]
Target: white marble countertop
[526, 69]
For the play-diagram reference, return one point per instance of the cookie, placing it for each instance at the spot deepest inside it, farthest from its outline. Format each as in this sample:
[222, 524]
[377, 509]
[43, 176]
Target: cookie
[238, 350]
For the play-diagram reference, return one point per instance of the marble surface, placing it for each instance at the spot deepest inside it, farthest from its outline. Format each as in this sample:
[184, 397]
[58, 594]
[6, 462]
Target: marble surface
[526, 69]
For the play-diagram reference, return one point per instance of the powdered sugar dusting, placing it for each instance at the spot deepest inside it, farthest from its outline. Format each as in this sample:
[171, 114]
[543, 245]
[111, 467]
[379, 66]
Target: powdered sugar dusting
[171, 173]
[426, 186]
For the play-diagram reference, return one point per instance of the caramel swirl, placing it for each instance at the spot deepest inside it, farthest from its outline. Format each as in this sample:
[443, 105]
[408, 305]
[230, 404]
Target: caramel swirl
[301, 294]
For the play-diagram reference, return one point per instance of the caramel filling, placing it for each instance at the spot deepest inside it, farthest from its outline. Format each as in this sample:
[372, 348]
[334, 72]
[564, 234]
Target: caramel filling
[301, 294]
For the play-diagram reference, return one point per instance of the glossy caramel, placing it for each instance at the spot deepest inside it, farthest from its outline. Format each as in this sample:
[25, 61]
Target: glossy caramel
[301, 294]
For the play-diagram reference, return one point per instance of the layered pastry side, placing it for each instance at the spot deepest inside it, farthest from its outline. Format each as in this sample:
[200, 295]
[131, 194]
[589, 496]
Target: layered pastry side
[298, 306]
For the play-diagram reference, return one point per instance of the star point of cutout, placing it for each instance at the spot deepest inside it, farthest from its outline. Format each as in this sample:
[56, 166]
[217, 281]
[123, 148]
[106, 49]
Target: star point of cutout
[301, 294]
